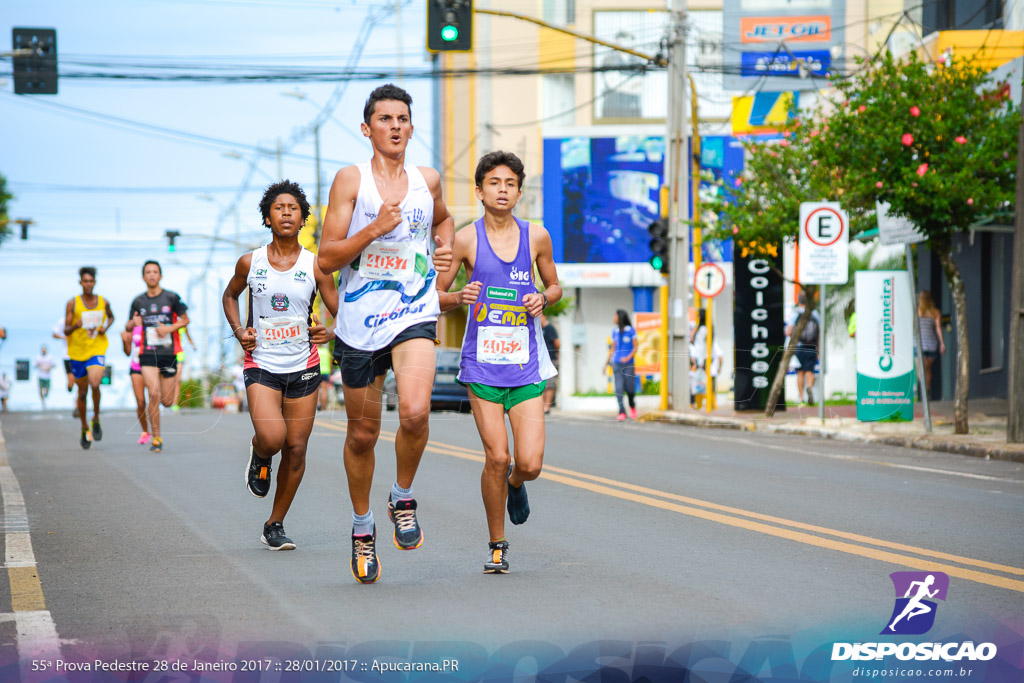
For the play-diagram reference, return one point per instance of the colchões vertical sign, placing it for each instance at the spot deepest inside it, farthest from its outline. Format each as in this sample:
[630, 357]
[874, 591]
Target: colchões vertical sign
[759, 327]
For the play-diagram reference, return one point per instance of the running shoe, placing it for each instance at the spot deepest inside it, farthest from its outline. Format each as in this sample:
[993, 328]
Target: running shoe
[621, 417]
[144, 438]
[257, 474]
[632, 413]
[274, 538]
[518, 504]
[175, 408]
[157, 446]
[97, 431]
[498, 562]
[365, 565]
[86, 440]
[408, 535]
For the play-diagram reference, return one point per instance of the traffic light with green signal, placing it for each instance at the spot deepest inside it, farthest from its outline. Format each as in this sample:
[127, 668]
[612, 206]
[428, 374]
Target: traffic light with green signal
[449, 25]
[658, 231]
[171, 236]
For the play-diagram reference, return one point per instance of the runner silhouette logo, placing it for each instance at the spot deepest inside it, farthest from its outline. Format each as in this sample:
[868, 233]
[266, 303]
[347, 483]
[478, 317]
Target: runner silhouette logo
[914, 611]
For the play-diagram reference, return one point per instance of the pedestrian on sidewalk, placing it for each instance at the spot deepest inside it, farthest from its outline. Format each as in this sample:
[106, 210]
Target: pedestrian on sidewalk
[553, 344]
[620, 359]
[806, 349]
[932, 343]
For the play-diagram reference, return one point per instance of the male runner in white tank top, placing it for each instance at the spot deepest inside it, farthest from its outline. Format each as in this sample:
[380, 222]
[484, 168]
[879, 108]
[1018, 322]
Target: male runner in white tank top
[382, 218]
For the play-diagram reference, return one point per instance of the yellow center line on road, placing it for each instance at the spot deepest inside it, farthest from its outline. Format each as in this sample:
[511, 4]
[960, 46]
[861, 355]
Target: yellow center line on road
[714, 513]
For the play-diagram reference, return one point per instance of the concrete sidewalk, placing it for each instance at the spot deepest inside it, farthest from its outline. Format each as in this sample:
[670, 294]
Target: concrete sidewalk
[986, 419]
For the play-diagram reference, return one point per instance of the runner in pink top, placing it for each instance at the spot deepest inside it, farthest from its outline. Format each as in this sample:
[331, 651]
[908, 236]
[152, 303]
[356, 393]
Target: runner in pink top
[132, 348]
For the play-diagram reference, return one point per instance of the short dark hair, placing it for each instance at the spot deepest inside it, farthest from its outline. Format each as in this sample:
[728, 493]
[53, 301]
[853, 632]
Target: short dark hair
[279, 188]
[389, 91]
[493, 160]
[87, 270]
[155, 263]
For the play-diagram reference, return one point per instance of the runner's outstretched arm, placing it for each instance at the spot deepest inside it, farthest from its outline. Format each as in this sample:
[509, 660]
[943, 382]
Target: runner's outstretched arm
[246, 336]
[328, 289]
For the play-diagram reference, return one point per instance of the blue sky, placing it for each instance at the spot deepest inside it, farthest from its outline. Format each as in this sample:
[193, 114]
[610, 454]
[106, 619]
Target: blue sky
[102, 192]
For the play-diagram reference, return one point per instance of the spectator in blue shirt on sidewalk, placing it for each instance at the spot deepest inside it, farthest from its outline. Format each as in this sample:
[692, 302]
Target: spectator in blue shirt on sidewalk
[620, 358]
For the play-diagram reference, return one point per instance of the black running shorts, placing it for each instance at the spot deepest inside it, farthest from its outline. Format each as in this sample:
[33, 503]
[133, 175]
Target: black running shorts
[291, 384]
[359, 368]
[167, 362]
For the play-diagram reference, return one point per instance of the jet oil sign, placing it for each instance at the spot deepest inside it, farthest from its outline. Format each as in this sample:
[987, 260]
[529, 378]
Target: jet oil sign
[885, 347]
[813, 29]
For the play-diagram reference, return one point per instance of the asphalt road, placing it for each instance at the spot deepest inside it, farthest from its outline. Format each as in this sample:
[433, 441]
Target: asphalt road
[642, 536]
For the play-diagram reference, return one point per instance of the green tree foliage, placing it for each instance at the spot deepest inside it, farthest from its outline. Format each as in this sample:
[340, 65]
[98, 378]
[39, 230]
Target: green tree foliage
[5, 196]
[938, 142]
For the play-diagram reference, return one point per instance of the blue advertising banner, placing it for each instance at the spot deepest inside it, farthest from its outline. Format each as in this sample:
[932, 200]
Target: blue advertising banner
[785, 63]
[601, 194]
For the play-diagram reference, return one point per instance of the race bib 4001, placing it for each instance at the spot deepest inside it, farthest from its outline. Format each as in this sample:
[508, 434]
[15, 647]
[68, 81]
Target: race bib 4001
[500, 345]
[388, 261]
[283, 331]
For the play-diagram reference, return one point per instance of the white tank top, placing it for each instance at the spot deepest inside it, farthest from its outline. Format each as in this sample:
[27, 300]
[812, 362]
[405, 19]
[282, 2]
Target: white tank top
[390, 286]
[279, 308]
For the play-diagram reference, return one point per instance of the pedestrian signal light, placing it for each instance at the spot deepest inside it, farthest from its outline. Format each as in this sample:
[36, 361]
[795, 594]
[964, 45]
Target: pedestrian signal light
[108, 373]
[171, 236]
[449, 25]
[658, 231]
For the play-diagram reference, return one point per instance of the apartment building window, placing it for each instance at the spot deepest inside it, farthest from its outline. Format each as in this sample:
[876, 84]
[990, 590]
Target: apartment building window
[560, 12]
[960, 15]
[558, 99]
[625, 96]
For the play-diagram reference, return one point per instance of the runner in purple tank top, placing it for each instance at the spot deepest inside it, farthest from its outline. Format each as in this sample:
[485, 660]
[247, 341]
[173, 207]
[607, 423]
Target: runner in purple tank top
[505, 362]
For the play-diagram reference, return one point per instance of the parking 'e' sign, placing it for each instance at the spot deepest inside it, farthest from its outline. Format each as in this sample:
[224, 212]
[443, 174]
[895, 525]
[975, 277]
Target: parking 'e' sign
[824, 244]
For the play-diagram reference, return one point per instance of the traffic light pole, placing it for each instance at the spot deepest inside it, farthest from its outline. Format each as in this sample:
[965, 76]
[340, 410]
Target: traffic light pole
[678, 372]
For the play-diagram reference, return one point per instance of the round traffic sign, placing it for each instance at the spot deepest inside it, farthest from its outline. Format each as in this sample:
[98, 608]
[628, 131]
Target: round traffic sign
[709, 280]
[818, 215]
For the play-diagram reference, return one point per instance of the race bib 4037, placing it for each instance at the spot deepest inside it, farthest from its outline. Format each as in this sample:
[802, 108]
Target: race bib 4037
[388, 261]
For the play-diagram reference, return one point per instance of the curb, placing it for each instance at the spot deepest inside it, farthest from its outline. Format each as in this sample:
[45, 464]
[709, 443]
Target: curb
[925, 443]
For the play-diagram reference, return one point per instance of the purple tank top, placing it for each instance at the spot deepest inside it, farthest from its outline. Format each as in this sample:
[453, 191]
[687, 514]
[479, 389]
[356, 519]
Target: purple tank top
[503, 346]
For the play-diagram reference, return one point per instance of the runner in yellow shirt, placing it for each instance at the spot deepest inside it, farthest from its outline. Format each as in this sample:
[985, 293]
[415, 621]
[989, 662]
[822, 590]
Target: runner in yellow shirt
[86, 320]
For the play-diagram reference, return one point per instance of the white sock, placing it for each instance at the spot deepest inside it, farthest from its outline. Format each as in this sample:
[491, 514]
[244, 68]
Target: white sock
[362, 525]
[398, 493]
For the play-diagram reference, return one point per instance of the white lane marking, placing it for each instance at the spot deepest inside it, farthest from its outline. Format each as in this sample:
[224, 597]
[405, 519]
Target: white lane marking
[36, 631]
[834, 456]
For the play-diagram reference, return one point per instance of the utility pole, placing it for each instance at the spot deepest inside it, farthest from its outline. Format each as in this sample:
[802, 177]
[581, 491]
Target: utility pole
[319, 183]
[678, 376]
[1015, 390]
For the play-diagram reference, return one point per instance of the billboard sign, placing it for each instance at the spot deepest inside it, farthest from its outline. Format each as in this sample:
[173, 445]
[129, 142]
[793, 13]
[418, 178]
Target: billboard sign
[786, 63]
[759, 329]
[885, 345]
[781, 43]
[814, 29]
